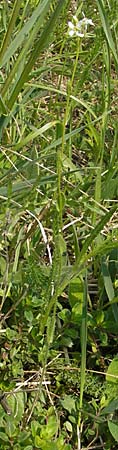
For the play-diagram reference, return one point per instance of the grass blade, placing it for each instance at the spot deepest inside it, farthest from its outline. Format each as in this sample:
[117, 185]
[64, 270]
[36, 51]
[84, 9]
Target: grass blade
[40, 11]
[109, 288]
[10, 28]
[42, 42]
[107, 29]
[94, 233]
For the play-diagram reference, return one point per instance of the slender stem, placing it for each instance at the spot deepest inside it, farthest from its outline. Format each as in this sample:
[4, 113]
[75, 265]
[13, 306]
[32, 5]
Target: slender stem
[83, 348]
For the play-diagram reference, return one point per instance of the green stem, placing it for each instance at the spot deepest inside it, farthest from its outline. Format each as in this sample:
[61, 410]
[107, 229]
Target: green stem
[66, 115]
[83, 348]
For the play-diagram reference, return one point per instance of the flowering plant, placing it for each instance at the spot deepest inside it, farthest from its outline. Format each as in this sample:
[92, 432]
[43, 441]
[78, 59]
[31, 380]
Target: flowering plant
[79, 28]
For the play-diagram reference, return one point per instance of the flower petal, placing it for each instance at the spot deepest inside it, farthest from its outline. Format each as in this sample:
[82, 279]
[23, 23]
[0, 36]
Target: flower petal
[70, 24]
[79, 34]
[71, 32]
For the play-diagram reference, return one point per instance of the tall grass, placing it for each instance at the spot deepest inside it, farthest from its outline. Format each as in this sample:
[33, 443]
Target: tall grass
[58, 192]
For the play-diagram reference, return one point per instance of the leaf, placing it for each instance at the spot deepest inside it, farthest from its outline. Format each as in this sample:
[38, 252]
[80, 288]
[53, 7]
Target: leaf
[7, 36]
[41, 44]
[68, 164]
[34, 134]
[10, 426]
[50, 329]
[48, 431]
[106, 28]
[113, 428]
[68, 425]
[23, 33]
[109, 409]
[112, 372]
[77, 313]
[109, 289]
[76, 293]
[23, 436]
[68, 403]
[95, 232]
[17, 404]
[28, 315]
[45, 445]
[29, 447]
[61, 245]
[64, 315]
[34, 427]
[3, 436]
[107, 281]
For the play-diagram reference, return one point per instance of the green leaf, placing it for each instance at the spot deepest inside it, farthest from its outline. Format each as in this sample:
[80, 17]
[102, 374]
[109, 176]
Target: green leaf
[7, 36]
[24, 32]
[76, 293]
[17, 404]
[45, 445]
[29, 447]
[109, 409]
[23, 436]
[95, 232]
[107, 281]
[64, 315]
[77, 313]
[109, 288]
[68, 426]
[50, 329]
[3, 436]
[106, 28]
[10, 426]
[68, 164]
[112, 372]
[34, 427]
[28, 315]
[113, 428]
[68, 403]
[41, 44]
[49, 430]
[34, 134]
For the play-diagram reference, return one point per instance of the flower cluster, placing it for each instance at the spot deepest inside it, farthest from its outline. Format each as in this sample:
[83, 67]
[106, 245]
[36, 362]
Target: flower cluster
[79, 28]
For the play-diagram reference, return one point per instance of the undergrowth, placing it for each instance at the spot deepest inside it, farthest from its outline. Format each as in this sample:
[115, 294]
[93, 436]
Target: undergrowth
[58, 222]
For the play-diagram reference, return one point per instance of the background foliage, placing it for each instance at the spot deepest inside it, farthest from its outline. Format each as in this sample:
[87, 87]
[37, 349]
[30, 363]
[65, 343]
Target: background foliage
[58, 223]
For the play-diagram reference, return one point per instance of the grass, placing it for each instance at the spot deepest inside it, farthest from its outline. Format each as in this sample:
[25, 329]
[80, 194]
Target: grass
[58, 221]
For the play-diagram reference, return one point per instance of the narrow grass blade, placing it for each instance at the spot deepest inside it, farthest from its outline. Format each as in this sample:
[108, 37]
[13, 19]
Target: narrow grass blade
[41, 44]
[19, 62]
[34, 134]
[95, 232]
[109, 288]
[10, 28]
[22, 35]
[106, 28]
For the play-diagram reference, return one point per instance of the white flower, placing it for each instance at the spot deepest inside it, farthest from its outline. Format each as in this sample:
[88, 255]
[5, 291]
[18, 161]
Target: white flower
[72, 29]
[79, 28]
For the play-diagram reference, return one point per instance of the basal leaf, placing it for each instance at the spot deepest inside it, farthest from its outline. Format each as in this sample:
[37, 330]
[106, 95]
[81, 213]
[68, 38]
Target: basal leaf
[113, 428]
[112, 372]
